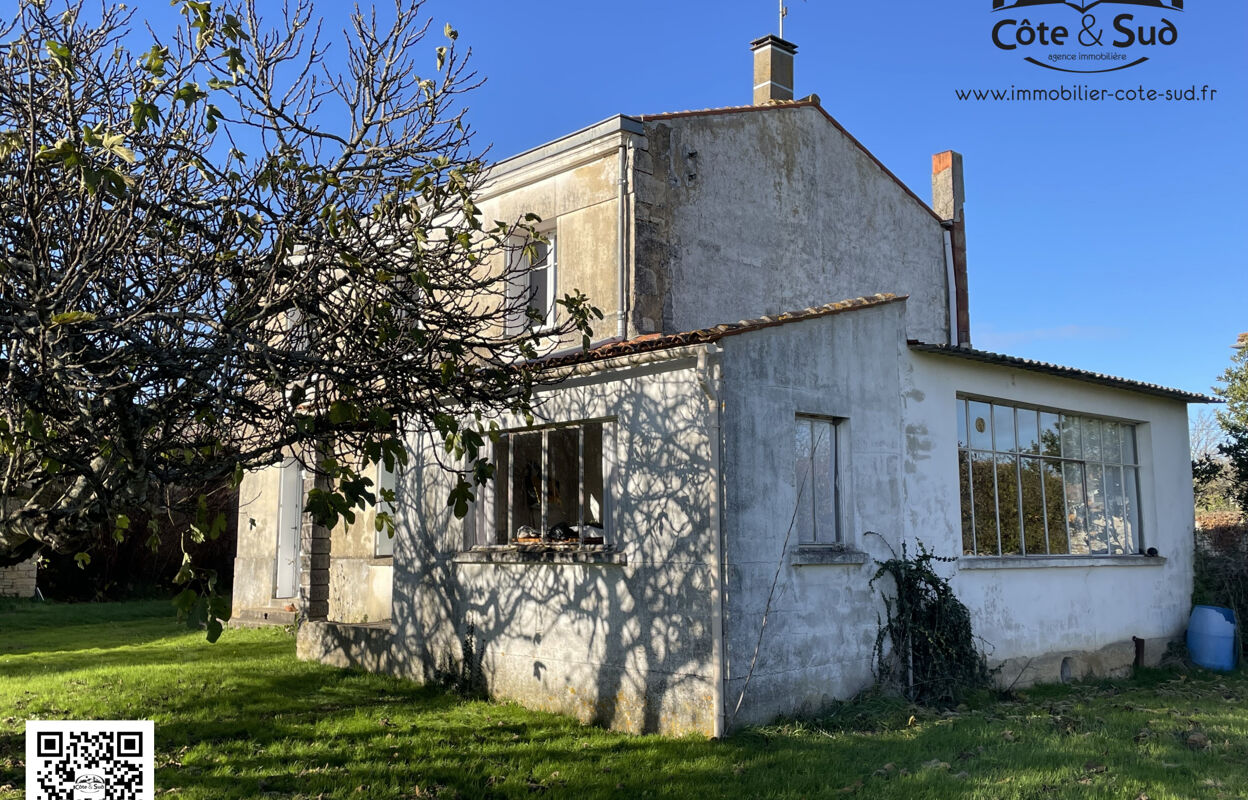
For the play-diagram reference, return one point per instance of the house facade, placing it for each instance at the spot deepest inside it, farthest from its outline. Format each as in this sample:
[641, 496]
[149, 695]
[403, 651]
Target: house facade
[784, 392]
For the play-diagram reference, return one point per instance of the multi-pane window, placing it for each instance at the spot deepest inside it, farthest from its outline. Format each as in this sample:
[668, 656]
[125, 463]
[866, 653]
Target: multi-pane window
[383, 543]
[549, 486]
[816, 471]
[1036, 482]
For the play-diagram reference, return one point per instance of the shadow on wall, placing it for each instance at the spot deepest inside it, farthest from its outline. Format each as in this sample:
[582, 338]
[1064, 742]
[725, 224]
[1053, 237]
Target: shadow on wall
[628, 646]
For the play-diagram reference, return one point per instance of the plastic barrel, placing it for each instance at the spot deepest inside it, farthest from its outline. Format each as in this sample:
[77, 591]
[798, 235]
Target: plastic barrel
[1211, 637]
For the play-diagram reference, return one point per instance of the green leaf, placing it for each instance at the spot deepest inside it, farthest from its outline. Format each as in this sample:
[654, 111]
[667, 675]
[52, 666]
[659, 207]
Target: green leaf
[214, 630]
[450, 32]
[185, 600]
[219, 607]
[83, 559]
[72, 317]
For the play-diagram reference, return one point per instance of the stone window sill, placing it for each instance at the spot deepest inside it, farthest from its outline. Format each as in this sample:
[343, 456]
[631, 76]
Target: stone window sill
[542, 554]
[830, 554]
[1045, 562]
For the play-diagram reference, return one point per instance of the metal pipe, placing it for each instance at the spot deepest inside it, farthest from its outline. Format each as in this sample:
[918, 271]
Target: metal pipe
[621, 326]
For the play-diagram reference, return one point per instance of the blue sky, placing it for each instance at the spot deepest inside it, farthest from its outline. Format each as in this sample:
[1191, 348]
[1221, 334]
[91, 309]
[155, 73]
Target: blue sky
[1111, 236]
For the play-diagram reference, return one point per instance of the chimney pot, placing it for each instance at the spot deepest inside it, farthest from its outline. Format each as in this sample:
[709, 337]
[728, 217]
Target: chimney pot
[773, 69]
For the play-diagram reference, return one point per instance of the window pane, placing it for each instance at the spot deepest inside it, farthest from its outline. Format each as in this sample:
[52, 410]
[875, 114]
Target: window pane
[593, 491]
[981, 425]
[962, 440]
[968, 515]
[1111, 442]
[823, 477]
[1091, 438]
[1071, 447]
[563, 497]
[1098, 539]
[1007, 505]
[541, 252]
[1130, 485]
[526, 483]
[384, 542]
[803, 481]
[1115, 512]
[501, 485]
[1050, 434]
[1076, 507]
[1033, 506]
[1003, 424]
[984, 486]
[1055, 508]
[539, 293]
[1028, 431]
[1128, 445]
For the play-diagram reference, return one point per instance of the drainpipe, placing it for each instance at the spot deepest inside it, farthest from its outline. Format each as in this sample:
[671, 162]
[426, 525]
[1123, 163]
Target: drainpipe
[950, 282]
[708, 381]
[621, 326]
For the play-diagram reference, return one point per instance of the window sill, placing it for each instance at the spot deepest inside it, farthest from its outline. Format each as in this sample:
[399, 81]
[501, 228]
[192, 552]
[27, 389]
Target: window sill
[381, 561]
[834, 554]
[1045, 562]
[542, 554]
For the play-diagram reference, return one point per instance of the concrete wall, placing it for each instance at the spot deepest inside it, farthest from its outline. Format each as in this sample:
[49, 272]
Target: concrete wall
[359, 580]
[254, 563]
[19, 579]
[627, 644]
[759, 212]
[821, 626]
[1033, 612]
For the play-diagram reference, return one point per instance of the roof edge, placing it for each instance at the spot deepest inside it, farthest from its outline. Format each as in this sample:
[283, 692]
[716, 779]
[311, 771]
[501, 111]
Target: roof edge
[1057, 370]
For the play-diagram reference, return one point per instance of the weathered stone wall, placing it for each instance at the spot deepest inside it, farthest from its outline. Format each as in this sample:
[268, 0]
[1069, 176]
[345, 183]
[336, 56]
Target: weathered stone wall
[19, 579]
[764, 211]
[359, 579]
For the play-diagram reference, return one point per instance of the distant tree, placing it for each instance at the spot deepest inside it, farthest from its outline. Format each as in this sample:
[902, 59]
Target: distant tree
[1210, 469]
[216, 250]
[1234, 421]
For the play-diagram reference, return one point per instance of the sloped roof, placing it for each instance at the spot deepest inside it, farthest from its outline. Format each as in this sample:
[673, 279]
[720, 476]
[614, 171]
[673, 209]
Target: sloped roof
[1000, 359]
[660, 341]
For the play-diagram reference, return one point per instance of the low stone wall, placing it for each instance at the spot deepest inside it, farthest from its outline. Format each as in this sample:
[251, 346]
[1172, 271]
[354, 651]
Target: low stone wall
[1113, 661]
[18, 580]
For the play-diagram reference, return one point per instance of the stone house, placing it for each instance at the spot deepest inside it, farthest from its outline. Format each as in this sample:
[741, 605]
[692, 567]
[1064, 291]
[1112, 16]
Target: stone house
[683, 540]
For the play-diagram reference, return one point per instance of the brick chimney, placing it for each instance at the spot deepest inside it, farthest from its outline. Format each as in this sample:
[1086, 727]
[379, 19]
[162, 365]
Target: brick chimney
[948, 197]
[773, 69]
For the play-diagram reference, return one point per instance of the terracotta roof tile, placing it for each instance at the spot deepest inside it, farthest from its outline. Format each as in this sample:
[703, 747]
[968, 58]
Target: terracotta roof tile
[658, 341]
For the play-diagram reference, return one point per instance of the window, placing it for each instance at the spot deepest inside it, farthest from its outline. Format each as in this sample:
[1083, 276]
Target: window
[549, 487]
[1037, 482]
[537, 265]
[816, 472]
[383, 543]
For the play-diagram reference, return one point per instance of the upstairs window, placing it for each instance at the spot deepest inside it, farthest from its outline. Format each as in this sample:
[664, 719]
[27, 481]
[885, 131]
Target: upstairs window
[1037, 482]
[538, 273]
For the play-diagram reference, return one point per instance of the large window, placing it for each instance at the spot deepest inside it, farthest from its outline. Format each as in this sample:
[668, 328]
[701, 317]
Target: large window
[816, 474]
[549, 487]
[1037, 482]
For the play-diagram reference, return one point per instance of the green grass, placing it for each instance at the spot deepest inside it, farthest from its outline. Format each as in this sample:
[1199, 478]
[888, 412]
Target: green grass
[245, 719]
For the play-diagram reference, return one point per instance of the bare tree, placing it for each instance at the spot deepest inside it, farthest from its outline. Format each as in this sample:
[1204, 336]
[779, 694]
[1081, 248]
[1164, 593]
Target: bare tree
[217, 251]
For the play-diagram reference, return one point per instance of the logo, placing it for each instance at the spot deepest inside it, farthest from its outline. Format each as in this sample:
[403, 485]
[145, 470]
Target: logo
[89, 783]
[1088, 36]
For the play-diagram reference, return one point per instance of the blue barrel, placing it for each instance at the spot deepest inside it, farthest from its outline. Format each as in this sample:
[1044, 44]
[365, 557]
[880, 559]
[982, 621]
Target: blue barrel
[1211, 637]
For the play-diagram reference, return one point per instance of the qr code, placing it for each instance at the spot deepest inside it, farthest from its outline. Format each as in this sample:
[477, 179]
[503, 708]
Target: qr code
[89, 760]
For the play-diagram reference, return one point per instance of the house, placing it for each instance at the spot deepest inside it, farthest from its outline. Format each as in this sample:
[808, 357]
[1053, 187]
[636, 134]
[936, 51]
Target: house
[19, 580]
[790, 394]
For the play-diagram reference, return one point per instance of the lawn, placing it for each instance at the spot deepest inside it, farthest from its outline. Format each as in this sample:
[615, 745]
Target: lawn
[244, 719]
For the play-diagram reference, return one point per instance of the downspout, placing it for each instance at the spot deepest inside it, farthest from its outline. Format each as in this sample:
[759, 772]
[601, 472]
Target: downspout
[708, 381]
[621, 326]
[951, 284]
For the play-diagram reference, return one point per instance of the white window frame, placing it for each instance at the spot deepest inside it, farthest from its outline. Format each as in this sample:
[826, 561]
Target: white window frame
[814, 491]
[524, 288]
[1130, 490]
[485, 519]
[384, 479]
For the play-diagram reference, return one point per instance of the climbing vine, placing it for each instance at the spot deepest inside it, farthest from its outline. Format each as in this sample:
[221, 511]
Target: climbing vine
[925, 646]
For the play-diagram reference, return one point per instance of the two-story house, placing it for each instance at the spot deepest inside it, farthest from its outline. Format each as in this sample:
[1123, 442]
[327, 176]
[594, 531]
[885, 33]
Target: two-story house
[786, 392]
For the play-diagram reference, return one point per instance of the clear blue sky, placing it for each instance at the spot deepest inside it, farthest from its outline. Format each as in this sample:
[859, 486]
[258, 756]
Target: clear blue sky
[1110, 236]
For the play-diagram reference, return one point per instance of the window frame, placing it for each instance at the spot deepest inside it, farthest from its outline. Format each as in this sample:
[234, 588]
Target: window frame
[1134, 542]
[837, 427]
[522, 263]
[484, 518]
